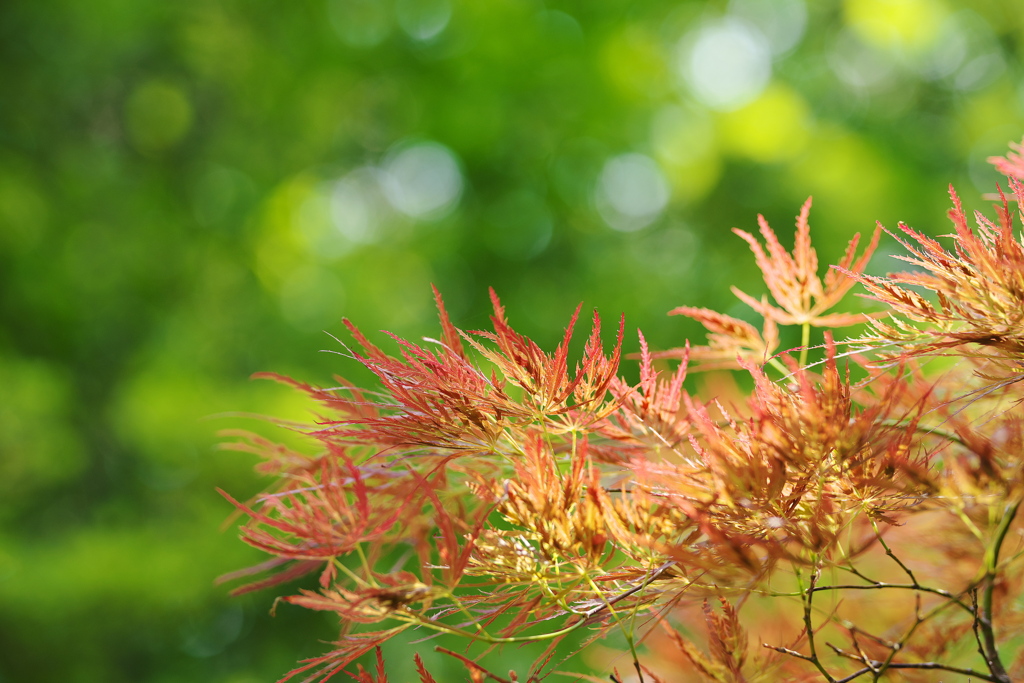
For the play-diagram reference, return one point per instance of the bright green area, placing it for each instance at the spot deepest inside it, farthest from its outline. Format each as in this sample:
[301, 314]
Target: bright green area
[193, 191]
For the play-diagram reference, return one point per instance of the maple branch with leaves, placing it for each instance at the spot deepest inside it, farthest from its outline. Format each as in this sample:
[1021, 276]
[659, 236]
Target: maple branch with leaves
[497, 493]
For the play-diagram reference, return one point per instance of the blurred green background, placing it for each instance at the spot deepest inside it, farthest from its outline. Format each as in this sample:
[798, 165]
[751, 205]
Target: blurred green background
[193, 191]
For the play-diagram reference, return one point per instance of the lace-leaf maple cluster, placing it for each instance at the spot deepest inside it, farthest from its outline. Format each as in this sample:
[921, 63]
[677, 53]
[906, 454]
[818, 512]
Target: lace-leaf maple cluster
[496, 493]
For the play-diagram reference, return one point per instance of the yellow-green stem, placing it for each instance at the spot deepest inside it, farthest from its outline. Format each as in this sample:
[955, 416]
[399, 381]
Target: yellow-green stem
[777, 364]
[991, 650]
[805, 340]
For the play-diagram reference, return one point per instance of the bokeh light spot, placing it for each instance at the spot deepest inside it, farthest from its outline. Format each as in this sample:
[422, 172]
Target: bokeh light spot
[851, 180]
[39, 449]
[314, 223]
[423, 19]
[359, 23]
[951, 48]
[632, 192]
[979, 72]
[860, 65]
[24, 212]
[561, 28]
[422, 180]
[278, 245]
[905, 25]
[633, 61]
[782, 22]
[158, 115]
[773, 128]
[358, 209]
[726, 63]
[685, 144]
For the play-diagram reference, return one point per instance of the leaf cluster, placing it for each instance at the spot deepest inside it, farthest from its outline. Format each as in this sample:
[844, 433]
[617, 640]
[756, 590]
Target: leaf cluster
[498, 493]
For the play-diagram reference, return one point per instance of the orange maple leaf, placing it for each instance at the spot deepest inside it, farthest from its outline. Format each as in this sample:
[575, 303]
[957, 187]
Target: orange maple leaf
[1012, 165]
[793, 280]
[979, 286]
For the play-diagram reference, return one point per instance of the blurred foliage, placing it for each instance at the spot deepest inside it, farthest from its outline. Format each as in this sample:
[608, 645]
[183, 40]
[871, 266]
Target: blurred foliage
[194, 191]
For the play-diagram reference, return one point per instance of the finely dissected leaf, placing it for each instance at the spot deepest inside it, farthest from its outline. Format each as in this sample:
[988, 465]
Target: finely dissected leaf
[450, 335]
[793, 473]
[379, 676]
[350, 648]
[425, 676]
[440, 399]
[476, 672]
[509, 496]
[546, 380]
[395, 473]
[709, 669]
[296, 570]
[687, 500]
[979, 287]
[315, 521]
[793, 281]
[277, 457]
[649, 415]
[1012, 165]
[394, 593]
[728, 641]
[730, 340]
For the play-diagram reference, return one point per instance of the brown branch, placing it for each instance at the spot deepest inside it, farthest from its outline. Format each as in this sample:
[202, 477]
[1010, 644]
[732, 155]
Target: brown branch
[807, 596]
[983, 618]
[905, 586]
[876, 666]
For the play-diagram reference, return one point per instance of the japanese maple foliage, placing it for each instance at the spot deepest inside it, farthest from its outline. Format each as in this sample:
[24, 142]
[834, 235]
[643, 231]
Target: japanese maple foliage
[495, 492]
